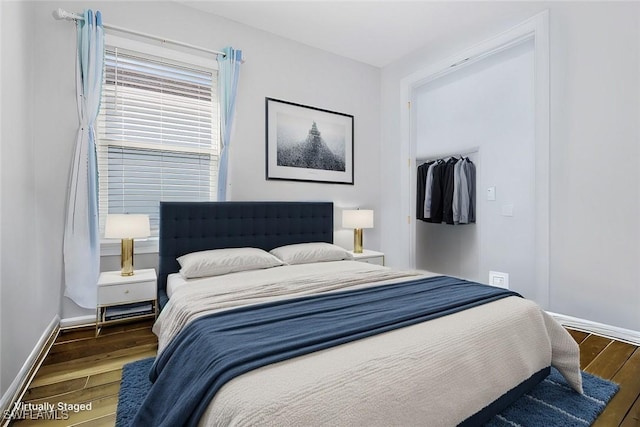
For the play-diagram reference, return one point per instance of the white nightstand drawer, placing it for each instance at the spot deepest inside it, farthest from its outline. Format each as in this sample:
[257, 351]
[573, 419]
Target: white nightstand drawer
[375, 260]
[126, 293]
[368, 256]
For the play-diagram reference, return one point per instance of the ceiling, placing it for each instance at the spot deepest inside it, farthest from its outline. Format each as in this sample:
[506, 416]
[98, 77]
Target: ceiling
[373, 32]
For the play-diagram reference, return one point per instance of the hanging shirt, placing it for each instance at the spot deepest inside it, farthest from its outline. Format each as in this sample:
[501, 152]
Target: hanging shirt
[420, 189]
[427, 197]
[447, 203]
[437, 192]
[463, 194]
[470, 170]
[456, 192]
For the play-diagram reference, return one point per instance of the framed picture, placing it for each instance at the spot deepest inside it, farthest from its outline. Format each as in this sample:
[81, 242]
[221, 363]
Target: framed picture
[308, 144]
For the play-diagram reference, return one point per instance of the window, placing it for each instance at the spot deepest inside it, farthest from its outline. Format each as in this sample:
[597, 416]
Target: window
[157, 134]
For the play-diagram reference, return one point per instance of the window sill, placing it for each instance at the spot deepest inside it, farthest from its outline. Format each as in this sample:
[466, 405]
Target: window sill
[111, 247]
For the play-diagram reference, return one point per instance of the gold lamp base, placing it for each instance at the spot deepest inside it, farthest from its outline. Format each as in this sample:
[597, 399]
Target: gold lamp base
[357, 240]
[126, 257]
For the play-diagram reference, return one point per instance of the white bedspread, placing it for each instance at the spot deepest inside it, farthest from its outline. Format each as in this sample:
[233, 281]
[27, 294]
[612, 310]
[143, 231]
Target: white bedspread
[436, 373]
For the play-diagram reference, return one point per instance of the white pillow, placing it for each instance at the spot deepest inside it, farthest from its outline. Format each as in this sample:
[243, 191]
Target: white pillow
[304, 253]
[222, 261]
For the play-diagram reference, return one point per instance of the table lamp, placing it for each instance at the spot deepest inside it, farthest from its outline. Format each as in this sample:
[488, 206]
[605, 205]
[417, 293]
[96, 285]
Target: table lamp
[357, 219]
[127, 227]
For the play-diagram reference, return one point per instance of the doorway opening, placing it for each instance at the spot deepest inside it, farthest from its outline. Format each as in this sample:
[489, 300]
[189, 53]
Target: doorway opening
[481, 104]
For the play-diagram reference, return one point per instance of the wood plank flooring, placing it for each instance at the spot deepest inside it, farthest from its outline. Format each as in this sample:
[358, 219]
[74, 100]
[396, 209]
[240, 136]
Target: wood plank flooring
[81, 368]
[620, 363]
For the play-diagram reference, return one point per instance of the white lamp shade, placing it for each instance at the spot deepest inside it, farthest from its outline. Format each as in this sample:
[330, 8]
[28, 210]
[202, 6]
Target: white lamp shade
[360, 218]
[127, 226]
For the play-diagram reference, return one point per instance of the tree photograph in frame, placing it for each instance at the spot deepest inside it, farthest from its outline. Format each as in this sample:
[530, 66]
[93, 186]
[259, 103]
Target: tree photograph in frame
[308, 144]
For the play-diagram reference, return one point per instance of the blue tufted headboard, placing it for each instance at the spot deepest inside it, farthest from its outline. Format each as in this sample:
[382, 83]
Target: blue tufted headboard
[197, 226]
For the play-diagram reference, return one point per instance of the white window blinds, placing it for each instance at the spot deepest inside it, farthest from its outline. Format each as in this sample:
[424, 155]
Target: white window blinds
[157, 134]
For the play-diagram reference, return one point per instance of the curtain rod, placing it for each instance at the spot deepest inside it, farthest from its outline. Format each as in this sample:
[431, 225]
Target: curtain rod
[61, 14]
[443, 156]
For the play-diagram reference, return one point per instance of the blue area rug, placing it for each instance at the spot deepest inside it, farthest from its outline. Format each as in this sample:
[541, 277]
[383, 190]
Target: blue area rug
[552, 403]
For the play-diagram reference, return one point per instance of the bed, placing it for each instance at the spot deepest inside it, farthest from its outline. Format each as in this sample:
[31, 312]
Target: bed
[457, 369]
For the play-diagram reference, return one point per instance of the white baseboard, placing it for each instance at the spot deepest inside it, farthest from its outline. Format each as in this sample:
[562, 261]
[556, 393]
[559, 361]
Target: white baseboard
[71, 322]
[28, 370]
[620, 334]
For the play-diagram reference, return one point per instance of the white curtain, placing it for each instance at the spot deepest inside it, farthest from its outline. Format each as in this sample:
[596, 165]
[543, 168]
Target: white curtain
[228, 76]
[81, 234]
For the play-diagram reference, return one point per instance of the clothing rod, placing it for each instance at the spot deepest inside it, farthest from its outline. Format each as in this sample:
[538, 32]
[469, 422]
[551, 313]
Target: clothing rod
[61, 14]
[442, 156]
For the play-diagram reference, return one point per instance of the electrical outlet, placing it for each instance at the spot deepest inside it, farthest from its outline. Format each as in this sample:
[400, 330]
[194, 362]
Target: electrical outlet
[506, 210]
[499, 279]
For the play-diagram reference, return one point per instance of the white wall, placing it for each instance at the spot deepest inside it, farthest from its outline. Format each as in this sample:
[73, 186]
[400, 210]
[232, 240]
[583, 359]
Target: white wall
[28, 303]
[595, 150]
[595, 233]
[488, 105]
[274, 67]
[2, 13]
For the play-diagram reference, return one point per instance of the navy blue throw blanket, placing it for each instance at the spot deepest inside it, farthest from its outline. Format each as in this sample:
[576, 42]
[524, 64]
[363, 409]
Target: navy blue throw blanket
[214, 349]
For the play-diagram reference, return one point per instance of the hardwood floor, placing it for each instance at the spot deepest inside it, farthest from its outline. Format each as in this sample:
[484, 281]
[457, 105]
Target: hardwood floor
[81, 368]
[620, 363]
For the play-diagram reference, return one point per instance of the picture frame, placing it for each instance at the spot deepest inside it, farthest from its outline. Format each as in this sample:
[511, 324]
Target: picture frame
[305, 143]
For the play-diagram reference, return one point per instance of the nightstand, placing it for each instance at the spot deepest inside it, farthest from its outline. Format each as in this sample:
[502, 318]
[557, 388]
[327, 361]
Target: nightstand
[371, 257]
[125, 298]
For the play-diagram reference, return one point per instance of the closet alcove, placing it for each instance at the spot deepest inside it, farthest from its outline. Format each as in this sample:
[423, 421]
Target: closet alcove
[483, 111]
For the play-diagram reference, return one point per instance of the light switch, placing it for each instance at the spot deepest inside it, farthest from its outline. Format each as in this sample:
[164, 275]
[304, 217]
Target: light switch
[491, 193]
